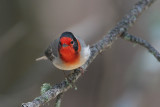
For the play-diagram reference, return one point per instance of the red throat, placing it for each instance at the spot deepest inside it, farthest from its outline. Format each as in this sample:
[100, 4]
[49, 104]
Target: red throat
[68, 54]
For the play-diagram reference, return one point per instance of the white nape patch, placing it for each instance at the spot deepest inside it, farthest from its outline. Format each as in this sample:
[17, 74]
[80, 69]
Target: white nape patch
[84, 55]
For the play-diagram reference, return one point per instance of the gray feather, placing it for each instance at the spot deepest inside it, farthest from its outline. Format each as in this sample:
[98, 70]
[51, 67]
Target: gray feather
[54, 46]
[82, 43]
[52, 50]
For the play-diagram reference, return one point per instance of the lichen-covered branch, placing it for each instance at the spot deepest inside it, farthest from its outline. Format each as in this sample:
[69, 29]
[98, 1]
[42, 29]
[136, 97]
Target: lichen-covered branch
[59, 100]
[141, 42]
[126, 22]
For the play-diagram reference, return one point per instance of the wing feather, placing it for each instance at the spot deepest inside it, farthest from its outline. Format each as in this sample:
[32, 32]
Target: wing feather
[52, 50]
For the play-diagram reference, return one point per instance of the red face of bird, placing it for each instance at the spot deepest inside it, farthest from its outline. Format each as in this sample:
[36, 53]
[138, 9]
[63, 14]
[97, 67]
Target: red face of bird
[69, 47]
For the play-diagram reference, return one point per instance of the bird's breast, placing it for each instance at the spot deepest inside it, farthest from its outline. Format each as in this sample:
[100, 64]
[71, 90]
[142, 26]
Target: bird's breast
[70, 61]
[69, 56]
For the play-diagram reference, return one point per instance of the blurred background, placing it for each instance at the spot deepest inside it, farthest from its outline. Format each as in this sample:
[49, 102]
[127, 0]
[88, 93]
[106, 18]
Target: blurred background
[125, 75]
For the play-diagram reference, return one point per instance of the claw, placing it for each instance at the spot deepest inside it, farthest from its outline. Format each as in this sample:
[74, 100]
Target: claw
[82, 70]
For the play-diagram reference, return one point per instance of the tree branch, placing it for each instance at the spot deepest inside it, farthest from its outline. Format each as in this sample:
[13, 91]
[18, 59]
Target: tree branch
[141, 42]
[96, 48]
[59, 100]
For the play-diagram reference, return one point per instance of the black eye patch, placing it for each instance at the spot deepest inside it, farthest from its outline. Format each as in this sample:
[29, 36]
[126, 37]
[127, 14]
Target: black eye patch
[60, 43]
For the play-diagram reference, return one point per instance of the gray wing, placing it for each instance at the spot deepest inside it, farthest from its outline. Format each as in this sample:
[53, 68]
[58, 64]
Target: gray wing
[82, 42]
[52, 50]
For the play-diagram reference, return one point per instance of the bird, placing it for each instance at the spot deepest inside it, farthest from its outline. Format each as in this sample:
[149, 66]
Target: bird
[67, 52]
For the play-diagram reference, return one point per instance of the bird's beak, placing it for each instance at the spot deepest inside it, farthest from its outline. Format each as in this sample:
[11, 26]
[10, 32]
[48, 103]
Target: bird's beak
[42, 58]
[64, 45]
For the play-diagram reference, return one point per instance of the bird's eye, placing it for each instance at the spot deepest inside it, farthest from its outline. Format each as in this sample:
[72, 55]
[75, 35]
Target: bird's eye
[71, 42]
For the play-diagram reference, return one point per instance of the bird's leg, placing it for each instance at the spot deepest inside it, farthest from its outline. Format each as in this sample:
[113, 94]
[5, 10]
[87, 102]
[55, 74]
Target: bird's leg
[69, 81]
[81, 70]
[66, 76]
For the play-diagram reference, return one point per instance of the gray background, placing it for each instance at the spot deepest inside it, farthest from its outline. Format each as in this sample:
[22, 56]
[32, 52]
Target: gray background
[124, 75]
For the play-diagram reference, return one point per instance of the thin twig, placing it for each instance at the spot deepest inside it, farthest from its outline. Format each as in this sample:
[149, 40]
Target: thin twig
[141, 42]
[96, 48]
[59, 100]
